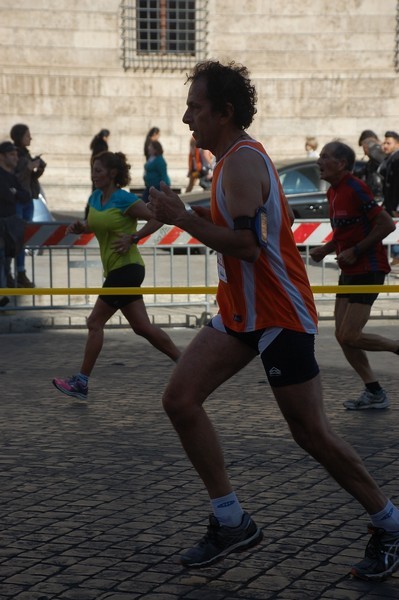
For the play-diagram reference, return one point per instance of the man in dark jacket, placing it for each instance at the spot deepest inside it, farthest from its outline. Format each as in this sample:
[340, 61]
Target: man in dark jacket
[389, 169]
[11, 192]
[372, 148]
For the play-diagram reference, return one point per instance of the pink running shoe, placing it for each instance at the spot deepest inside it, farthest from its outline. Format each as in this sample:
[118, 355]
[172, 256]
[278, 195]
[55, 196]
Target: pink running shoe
[72, 387]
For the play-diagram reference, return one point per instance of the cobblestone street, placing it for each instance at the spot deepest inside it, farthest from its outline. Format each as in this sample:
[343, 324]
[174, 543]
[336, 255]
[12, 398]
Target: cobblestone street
[98, 499]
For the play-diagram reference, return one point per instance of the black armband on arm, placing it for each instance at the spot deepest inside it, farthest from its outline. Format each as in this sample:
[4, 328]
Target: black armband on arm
[244, 223]
[257, 224]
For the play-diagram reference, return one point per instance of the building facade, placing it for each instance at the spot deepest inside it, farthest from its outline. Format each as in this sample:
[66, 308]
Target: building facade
[69, 68]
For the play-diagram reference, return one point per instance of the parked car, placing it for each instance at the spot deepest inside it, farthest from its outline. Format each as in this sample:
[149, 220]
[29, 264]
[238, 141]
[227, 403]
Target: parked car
[302, 185]
[41, 213]
[304, 189]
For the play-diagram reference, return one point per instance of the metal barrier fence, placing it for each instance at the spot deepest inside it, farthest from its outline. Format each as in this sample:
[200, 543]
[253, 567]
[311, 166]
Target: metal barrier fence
[58, 262]
[67, 270]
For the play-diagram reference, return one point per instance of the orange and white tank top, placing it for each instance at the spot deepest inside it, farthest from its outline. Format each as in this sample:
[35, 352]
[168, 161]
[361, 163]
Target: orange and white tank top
[274, 291]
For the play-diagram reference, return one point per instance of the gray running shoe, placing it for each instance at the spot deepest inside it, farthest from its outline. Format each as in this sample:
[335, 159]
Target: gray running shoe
[381, 558]
[219, 541]
[368, 400]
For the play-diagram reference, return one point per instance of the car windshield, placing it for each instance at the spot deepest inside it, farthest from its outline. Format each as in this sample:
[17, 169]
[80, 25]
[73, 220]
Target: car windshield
[300, 180]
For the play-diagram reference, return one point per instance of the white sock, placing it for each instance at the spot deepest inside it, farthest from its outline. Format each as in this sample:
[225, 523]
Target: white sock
[387, 518]
[227, 510]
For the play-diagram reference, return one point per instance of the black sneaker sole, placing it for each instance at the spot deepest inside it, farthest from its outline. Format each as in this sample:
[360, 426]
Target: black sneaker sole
[380, 406]
[239, 547]
[357, 572]
[374, 576]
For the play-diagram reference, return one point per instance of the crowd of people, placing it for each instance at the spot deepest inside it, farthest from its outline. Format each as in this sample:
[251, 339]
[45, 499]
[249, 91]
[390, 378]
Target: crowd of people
[17, 200]
[16, 160]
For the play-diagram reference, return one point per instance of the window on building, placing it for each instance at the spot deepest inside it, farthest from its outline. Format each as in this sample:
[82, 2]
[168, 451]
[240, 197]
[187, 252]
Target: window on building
[163, 34]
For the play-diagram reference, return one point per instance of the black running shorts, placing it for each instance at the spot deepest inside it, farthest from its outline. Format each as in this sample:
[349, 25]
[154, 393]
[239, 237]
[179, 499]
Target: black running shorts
[288, 358]
[372, 278]
[127, 276]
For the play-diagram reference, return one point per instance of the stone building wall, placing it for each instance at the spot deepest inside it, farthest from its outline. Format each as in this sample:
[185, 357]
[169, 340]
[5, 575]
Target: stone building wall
[321, 68]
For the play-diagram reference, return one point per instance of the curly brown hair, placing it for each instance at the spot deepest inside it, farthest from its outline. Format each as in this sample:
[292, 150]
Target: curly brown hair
[228, 84]
[118, 161]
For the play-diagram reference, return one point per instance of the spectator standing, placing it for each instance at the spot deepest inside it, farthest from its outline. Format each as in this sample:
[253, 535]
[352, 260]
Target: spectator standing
[266, 307]
[152, 136]
[206, 173]
[194, 165]
[28, 171]
[359, 225]
[11, 192]
[389, 169]
[99, 144]
[311, 145]
[391, 143]
[200, 167]
[372, 149]
[155, 169]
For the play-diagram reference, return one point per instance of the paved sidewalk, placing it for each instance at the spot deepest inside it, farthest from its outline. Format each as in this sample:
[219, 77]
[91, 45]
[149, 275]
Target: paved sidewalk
[98, 500]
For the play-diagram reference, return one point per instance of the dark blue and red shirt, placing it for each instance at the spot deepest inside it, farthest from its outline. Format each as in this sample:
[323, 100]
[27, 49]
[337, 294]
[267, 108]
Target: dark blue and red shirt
[352, 212]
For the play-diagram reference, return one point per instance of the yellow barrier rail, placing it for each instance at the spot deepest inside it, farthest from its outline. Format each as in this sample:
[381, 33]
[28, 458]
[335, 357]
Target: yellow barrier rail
[187, 290]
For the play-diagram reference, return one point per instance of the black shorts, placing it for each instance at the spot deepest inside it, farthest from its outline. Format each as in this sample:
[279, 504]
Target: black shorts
[127, 276]
[288, 359]
[371, 278]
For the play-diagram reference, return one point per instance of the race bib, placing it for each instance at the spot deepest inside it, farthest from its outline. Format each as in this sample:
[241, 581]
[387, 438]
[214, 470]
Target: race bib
[221, 270]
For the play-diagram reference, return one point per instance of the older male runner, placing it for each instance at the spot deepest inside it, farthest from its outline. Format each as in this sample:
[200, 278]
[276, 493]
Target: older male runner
[359, 225]
[266, 307]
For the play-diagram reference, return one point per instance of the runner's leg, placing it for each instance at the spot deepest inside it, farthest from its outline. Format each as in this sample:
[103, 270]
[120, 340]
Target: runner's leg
[137, 316]
[209, 360]
[302, 407]
[96, 321]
